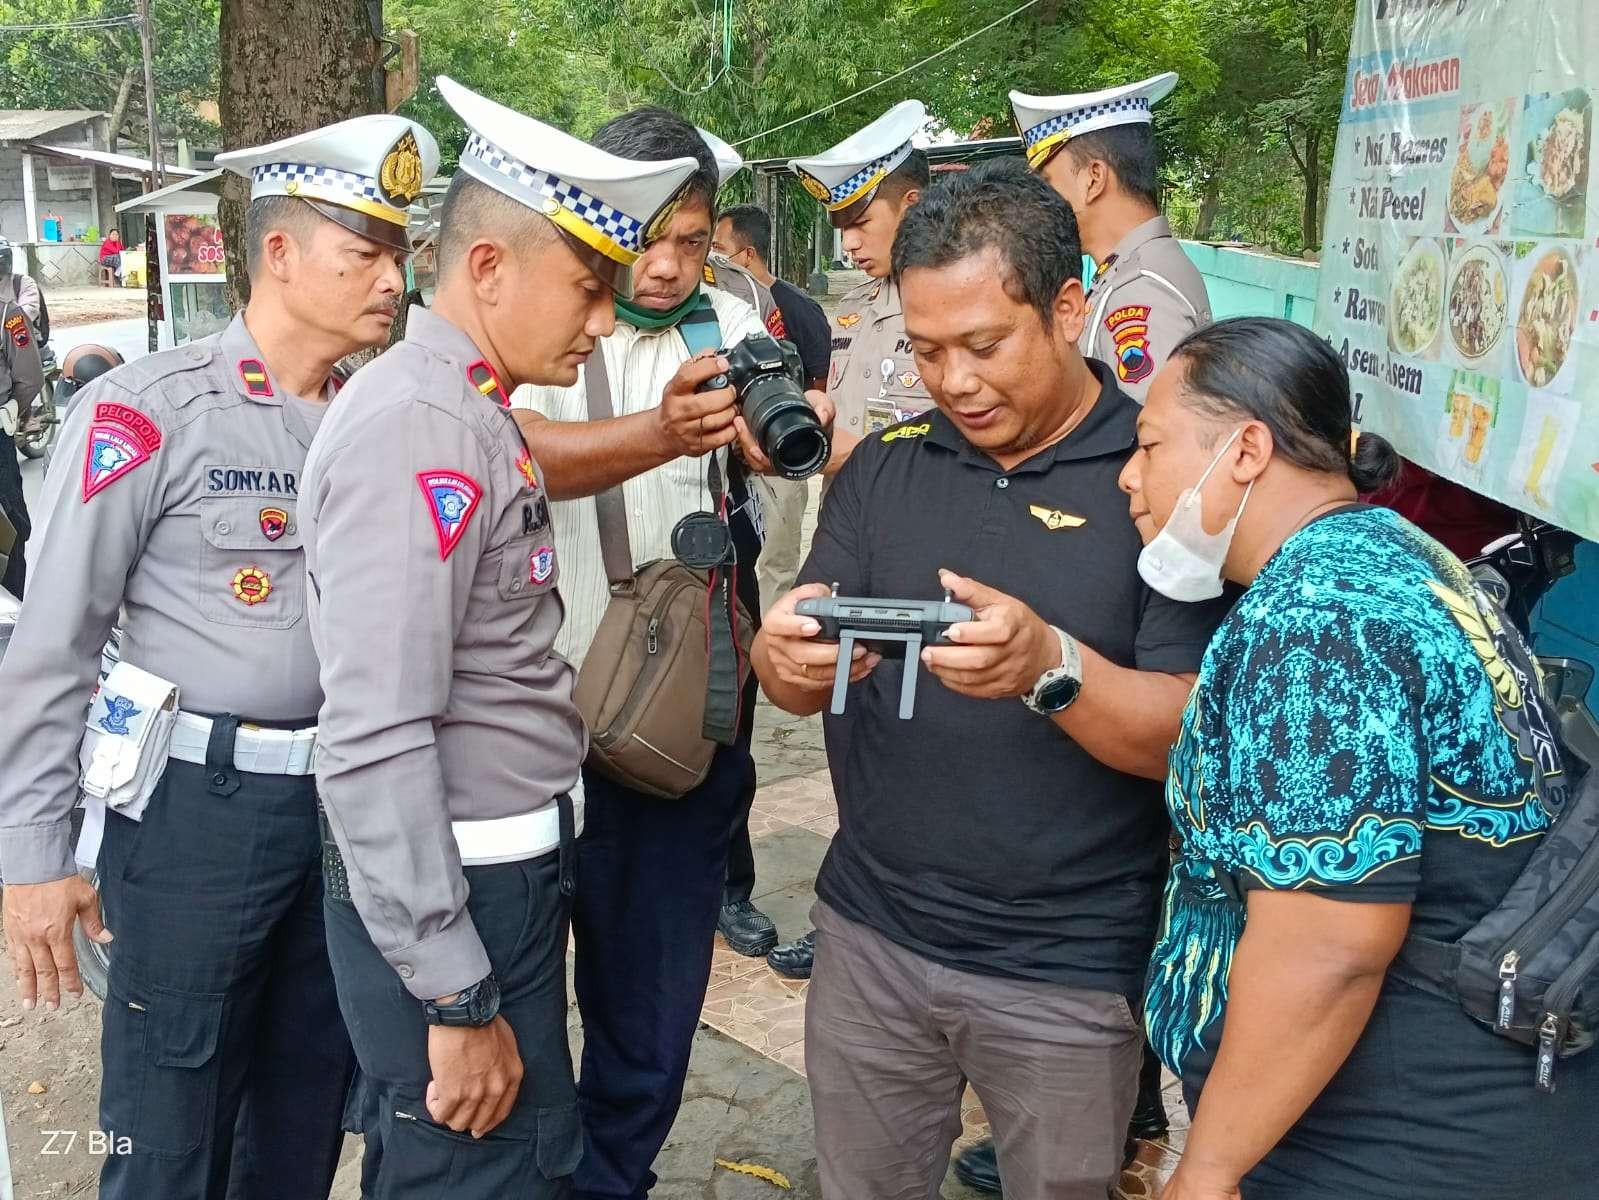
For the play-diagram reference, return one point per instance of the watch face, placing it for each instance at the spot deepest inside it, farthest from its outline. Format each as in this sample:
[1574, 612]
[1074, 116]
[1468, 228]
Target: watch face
[1058, 695]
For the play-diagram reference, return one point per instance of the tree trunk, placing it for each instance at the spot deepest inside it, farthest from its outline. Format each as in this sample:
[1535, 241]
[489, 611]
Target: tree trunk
[289, 66]
[1310, 225]
[1209, 209]
[119, 110]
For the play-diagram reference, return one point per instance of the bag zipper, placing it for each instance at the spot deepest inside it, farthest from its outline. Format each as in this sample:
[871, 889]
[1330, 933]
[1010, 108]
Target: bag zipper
[1542, 925]
[1562, 994]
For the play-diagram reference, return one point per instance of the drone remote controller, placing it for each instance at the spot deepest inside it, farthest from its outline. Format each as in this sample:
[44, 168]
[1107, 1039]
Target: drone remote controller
[851, 619]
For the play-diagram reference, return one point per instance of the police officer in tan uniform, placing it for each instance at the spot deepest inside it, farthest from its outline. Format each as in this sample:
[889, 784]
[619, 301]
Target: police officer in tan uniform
[1098, 151]
[450, 745]
[21, 378]
[172, 511]
[866, 183]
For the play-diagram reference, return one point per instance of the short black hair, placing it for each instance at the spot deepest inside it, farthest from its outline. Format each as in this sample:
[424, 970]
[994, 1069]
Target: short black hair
[752, 227]
[1281, 374]
[1129, 151]
[472, 209]
[655, 133]
[268, 214]
[914, 174]
[1000, 206]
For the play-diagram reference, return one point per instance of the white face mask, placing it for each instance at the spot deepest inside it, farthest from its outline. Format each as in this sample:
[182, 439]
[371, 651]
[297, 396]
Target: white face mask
[1182, 561]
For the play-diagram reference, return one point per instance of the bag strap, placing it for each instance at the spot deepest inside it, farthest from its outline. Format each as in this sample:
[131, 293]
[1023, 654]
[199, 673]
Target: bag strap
[615, 549]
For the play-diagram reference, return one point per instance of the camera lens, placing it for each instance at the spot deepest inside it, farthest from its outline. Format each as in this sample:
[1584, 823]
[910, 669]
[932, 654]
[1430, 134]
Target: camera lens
[786, 427]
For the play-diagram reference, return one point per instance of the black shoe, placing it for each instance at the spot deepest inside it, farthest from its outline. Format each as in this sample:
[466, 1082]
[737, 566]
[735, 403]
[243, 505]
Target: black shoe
[978, 1168]
[747, 929]
[793, 960]
[1149, 1111]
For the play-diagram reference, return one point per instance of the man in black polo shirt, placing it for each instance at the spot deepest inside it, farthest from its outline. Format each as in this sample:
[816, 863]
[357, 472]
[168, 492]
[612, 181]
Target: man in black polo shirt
[988, 906]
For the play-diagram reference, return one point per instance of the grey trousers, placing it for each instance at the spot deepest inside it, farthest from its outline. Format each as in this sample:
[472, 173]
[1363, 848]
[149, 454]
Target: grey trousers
[891, 1040]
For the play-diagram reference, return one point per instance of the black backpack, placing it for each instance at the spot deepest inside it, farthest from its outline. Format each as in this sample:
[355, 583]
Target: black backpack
[41, 327]
[1529, 970]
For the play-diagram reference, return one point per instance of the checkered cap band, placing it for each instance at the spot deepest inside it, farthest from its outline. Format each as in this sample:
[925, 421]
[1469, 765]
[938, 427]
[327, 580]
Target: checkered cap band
[626, 231]
[1077, 116]
[325, 183]
[858, 180]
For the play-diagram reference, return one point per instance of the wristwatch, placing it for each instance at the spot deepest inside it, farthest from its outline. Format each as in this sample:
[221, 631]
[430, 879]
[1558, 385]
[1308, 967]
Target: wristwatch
[475, 1005]
[1058, 687]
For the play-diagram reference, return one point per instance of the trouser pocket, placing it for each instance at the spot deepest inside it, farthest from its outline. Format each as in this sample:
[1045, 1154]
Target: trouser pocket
[531, 1156]
[159, 1051]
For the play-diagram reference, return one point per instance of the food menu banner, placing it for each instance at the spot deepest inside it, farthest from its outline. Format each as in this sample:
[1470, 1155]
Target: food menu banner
[1460, 264]
[194, 244]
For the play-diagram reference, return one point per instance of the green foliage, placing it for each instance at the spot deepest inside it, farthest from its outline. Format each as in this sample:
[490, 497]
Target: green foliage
[1248, 131]
[83, 68]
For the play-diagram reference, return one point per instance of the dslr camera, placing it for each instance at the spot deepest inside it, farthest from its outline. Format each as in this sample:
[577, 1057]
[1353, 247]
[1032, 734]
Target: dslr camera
[768, 379]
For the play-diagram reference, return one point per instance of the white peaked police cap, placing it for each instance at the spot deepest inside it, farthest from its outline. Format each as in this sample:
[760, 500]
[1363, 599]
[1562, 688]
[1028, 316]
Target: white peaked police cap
[729, 162]
[608, 208]
[846, 177]
[1047, 122]
[363, 173]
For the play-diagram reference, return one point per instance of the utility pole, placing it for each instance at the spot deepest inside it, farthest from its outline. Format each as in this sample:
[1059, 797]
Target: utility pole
[146, 45]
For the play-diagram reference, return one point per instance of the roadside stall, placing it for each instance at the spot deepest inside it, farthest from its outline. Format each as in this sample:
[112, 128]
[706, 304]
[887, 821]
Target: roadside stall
[185, 271]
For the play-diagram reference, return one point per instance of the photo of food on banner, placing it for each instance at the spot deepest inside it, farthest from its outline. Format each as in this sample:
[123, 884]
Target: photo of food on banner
[1477, 192]
[1477, 304]
[1471, 412]
[1548, 291]
[1547, 434]
[1416, 301]
[1555, 147]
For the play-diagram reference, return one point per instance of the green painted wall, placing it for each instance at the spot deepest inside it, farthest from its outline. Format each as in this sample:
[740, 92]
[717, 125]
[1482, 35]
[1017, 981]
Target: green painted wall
[1244, 283]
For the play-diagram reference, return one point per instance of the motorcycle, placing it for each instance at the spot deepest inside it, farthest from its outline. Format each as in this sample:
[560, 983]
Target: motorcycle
[37, 428]
[1516, 572]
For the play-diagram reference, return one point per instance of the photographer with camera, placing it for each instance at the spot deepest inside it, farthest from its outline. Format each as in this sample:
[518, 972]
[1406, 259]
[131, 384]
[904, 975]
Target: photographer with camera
[651, 869]
[986, 911]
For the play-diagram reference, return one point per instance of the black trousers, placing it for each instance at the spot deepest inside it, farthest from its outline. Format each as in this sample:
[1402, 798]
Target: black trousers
[15, 506]
[650, 876]
[223, 1056]
[521, 914]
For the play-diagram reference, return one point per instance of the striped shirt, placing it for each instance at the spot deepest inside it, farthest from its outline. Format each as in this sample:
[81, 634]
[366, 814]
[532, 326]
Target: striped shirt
[639, 364]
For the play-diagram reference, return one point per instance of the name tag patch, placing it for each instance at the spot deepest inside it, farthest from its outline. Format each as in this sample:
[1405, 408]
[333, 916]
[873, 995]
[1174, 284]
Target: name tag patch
[451, 498]
[252, 481]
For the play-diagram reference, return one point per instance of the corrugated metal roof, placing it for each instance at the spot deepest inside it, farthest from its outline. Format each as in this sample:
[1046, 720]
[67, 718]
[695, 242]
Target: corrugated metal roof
[23, 124]
[126, 162]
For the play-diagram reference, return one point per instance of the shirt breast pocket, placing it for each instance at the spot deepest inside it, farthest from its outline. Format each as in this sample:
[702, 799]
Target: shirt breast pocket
[528, 566]
[252, 572]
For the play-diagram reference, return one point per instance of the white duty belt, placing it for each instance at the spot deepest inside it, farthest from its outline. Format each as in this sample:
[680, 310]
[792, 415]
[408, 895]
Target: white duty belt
[255, 750]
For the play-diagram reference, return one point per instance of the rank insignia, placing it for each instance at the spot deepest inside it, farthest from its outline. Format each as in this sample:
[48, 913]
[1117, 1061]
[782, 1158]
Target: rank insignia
[113, 452]
[524, 467]
[541, 564]
[119, 710]
[251, 585]
[274, 523]
[1054, 519]
[1128, 327]
[451, 498]
[253, 372]
[908, 431]
[17, 327]
[710, 274]
[774, 324]
[483, 378]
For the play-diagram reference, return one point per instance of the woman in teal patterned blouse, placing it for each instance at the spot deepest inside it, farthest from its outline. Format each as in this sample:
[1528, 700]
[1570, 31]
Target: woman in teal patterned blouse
[1365, 753]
